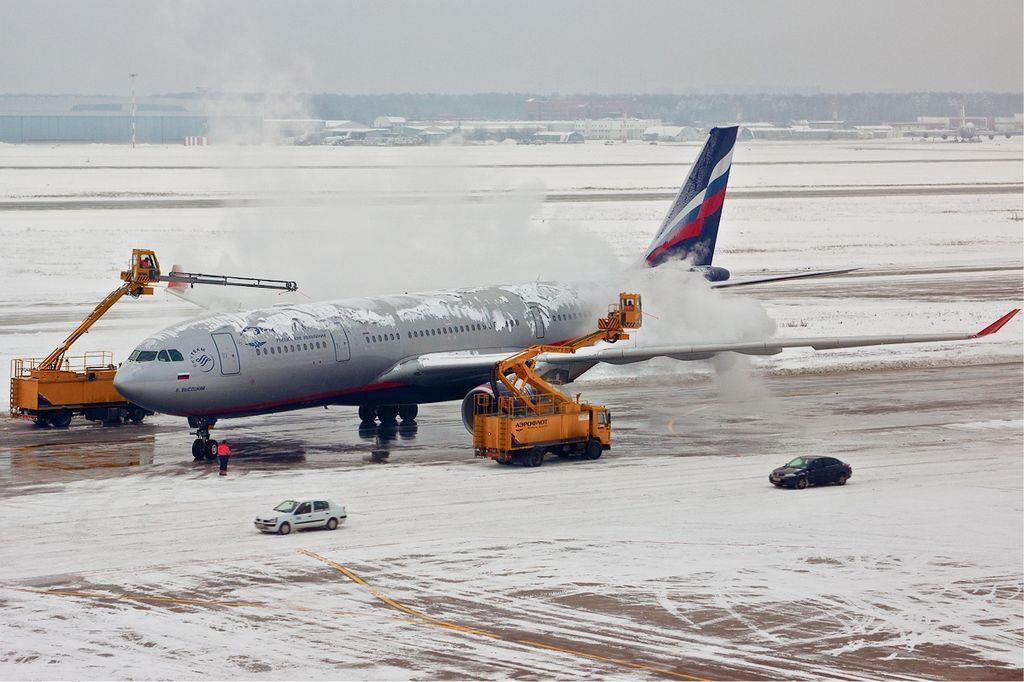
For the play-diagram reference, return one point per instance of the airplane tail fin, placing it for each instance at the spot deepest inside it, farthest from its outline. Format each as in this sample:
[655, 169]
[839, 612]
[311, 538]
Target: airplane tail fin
[690, 228]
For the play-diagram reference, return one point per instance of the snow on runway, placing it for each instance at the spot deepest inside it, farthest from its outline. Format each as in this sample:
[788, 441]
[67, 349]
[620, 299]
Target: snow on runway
[672, 553]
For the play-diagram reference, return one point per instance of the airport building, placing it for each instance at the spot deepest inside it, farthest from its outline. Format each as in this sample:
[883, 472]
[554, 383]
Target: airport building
[815, 130]
[388, 122]
[157, 120]
[614, 128]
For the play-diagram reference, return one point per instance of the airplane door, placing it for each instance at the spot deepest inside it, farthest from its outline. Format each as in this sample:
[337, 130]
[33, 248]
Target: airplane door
[538, 321]
[342, 352]
[227, 351]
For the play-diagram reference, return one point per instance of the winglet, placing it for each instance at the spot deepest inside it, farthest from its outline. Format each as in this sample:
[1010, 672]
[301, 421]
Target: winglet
[997, 325]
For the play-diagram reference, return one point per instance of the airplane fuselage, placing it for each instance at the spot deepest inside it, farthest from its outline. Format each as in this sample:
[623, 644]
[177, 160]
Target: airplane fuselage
[295, 356]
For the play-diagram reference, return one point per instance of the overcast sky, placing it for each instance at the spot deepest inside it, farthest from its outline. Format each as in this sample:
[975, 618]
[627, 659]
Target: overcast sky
[376, 46]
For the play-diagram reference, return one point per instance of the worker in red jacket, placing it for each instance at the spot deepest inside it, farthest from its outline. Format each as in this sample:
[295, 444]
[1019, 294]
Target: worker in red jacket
[223, 454]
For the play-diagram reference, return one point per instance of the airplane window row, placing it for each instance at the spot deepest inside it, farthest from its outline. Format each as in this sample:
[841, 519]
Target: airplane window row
[150, 355]
[442, 331]
[420, 333]
[292, 348]
[460, 329]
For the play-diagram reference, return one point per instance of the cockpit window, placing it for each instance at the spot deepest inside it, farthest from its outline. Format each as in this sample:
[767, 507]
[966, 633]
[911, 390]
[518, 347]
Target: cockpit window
[175, 356]
[143, 356]
[162, 356]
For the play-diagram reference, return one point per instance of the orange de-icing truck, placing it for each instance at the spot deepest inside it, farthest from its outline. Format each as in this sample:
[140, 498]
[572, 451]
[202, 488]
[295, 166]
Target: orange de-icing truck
[532, 417]
[52, 390]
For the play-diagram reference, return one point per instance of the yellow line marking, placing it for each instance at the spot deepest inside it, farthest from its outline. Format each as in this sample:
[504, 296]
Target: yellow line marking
[672, 421]
[430, 620]
[391, 602]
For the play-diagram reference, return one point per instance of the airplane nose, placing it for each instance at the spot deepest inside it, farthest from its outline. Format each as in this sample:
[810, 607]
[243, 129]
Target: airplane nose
[129, 382]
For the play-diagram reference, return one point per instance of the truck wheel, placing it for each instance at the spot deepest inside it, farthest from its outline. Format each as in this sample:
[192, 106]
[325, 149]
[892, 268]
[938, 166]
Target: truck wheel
[41, 420]
[136, 414]
[284, 528]
[535, 458]
[61, 418]
[593, 450]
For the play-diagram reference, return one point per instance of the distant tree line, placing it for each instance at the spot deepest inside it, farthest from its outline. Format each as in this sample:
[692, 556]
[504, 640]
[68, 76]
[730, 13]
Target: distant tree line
[681, 109]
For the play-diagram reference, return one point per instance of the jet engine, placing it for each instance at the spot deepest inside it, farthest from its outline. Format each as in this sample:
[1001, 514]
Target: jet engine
[469, 402]
[712, 273]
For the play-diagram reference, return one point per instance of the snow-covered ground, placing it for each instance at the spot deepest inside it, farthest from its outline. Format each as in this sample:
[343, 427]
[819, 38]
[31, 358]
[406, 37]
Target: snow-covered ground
[662, 566]
[670, 557]
[662, 559]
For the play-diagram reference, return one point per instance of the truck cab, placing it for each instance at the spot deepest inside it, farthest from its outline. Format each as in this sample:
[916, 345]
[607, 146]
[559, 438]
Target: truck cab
[601, 426]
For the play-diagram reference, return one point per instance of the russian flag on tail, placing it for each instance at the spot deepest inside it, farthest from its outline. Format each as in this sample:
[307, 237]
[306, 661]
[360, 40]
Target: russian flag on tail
[691, 226]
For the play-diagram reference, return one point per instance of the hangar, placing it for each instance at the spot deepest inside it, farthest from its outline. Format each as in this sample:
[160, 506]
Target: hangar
[74, 118]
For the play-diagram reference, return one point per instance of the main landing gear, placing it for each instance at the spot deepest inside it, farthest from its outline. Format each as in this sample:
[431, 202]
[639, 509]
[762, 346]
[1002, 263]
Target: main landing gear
[203, 447]
[387, 414]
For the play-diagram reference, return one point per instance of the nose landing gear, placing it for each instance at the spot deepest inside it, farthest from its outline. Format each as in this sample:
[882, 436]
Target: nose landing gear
[203, 447]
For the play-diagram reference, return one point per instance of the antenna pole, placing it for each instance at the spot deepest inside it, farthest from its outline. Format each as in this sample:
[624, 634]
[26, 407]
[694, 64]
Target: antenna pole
[131, 77]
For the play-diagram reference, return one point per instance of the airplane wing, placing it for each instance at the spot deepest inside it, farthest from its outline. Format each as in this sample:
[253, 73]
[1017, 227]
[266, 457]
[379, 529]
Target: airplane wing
[622, 356]
[463, 366]
[779, 278]
[435, 368]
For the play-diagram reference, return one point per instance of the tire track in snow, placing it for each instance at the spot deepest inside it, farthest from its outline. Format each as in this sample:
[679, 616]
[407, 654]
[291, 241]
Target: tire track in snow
[436, 622]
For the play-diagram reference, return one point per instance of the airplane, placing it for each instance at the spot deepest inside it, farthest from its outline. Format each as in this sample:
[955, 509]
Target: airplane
[389, 354]
[967, 131]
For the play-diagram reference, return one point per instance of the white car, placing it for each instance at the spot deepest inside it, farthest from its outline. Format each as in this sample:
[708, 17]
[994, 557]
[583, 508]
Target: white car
[299, 515]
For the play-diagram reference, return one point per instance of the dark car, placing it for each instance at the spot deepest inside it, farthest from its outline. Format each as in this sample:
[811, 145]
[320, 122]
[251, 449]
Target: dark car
[804, 471]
